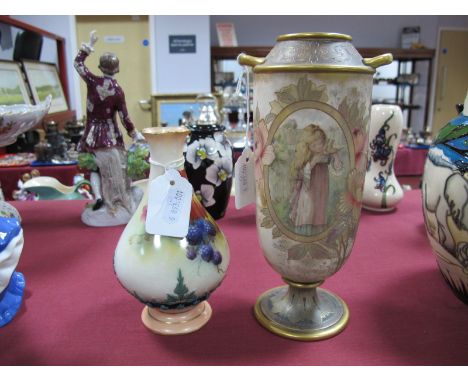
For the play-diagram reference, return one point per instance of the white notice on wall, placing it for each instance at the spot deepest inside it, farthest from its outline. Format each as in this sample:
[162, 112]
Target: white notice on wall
[116, 39]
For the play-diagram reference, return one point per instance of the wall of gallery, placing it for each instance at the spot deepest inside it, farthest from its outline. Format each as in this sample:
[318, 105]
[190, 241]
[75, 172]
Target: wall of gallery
[179, 73]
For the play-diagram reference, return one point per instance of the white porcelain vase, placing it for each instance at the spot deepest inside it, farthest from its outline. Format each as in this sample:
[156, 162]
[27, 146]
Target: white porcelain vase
[382, 192]
[311, 99]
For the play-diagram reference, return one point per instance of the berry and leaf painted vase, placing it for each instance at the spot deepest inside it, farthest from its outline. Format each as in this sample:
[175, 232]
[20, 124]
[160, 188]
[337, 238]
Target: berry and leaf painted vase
[172, 276]
[208, 160]
[311, 104]
[382, 191]
[445, 202]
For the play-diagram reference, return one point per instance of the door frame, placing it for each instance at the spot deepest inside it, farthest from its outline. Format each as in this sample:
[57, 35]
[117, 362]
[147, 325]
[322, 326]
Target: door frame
[435, 73]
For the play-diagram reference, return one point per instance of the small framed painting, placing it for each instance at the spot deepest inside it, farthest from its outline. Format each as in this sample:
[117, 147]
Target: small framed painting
[171, 109]
[13, 88]
[43, 79]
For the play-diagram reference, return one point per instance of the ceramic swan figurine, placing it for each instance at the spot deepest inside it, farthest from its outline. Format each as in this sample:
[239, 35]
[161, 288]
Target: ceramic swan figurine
[48, 188]
[11, 283]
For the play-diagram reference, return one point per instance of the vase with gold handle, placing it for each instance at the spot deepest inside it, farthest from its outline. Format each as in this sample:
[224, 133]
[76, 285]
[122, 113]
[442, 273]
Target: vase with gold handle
[311, 107]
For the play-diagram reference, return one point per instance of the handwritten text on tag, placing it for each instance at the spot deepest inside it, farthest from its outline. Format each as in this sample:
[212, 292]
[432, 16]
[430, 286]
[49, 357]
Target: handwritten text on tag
[244, 179]
[169, 204]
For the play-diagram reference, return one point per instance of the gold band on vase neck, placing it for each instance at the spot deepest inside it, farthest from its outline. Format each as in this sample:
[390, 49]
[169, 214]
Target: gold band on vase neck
[313, 35]
[314, 68]
[299, 285]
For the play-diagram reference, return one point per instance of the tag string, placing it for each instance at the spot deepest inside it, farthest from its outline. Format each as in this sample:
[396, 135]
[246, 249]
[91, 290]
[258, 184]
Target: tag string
[247, 94]
[175, 164]
[244, 77]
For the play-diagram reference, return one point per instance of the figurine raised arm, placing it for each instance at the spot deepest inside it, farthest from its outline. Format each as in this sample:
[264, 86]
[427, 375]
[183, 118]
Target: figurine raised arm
[102, 147]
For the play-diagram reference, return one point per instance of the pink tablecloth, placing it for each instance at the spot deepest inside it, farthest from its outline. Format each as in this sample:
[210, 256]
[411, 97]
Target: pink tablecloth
[75, 312]
[410, 161]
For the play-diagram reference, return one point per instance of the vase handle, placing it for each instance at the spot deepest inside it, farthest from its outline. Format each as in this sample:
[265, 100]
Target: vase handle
[375, 62]
[245, 59]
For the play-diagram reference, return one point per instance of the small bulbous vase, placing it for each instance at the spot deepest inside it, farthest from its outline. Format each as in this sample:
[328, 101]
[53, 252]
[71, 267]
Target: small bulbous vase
[445, 202]
[382, 191]
[172, 276]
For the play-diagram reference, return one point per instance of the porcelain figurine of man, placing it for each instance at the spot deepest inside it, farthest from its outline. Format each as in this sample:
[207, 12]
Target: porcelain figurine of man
[101, 147]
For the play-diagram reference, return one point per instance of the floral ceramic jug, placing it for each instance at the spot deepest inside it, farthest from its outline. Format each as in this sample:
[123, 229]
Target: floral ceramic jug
[172, 276]
[382, 191]
[311, 105]
[445, 202]
[208, 161]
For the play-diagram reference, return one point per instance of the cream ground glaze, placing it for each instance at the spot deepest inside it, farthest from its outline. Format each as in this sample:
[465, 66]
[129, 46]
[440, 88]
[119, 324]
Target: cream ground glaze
[338, 86]
[149, 265]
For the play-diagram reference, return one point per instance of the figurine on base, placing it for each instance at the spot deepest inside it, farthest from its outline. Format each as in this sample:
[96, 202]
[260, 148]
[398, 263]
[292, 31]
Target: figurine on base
[101, 146]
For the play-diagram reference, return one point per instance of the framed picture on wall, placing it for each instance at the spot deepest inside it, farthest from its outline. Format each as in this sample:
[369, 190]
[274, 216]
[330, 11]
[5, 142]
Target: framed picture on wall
[13, 88]
[43, 79]
[170, 109]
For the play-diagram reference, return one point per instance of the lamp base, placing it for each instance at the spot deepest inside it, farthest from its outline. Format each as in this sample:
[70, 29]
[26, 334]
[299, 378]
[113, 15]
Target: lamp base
[182, 321]
[302, 312]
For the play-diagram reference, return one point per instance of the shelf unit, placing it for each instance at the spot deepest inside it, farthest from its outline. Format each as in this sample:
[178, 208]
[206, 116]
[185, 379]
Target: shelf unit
[402, 56]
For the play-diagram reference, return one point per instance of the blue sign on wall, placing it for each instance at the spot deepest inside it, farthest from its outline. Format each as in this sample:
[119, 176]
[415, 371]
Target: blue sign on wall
[183, 44]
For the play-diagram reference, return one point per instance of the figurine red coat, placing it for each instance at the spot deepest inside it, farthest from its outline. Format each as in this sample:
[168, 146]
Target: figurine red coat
[105, 99]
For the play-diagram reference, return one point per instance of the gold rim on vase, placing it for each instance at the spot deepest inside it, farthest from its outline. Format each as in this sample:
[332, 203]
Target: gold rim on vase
[314, 68]
[165, 130]
[313, 35]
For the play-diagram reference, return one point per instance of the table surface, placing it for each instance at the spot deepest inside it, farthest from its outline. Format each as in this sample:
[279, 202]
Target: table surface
[76, 313]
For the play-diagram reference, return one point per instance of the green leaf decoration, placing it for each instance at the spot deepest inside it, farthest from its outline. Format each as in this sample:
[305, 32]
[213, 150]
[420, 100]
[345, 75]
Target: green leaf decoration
[267, 222]
[181, 291]
[297, 252]
[257, 116]
[287, 95]
[312, 251]
[303, 88]
[87, 161]
[270, 118]
[276, 232]
[137, 166]
[449, 132]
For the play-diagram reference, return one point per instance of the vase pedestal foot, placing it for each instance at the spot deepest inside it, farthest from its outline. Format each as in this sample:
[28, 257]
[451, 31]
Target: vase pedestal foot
[302, 312]
[374, 209]
[178, 322]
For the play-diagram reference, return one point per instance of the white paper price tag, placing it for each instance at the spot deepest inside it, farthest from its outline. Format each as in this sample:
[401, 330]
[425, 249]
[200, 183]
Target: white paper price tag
[244, 179]
[169, 204]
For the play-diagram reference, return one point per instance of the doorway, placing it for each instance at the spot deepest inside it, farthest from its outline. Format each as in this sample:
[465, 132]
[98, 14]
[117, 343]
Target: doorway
[452, 76]
[128, 38]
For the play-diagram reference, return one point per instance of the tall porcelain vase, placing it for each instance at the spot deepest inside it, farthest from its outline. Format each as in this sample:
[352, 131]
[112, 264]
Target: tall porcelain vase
[172, 276]
[311, 105]
[382, 192]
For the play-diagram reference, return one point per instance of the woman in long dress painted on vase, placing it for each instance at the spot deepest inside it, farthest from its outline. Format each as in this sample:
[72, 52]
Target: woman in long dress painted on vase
[310, 170]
